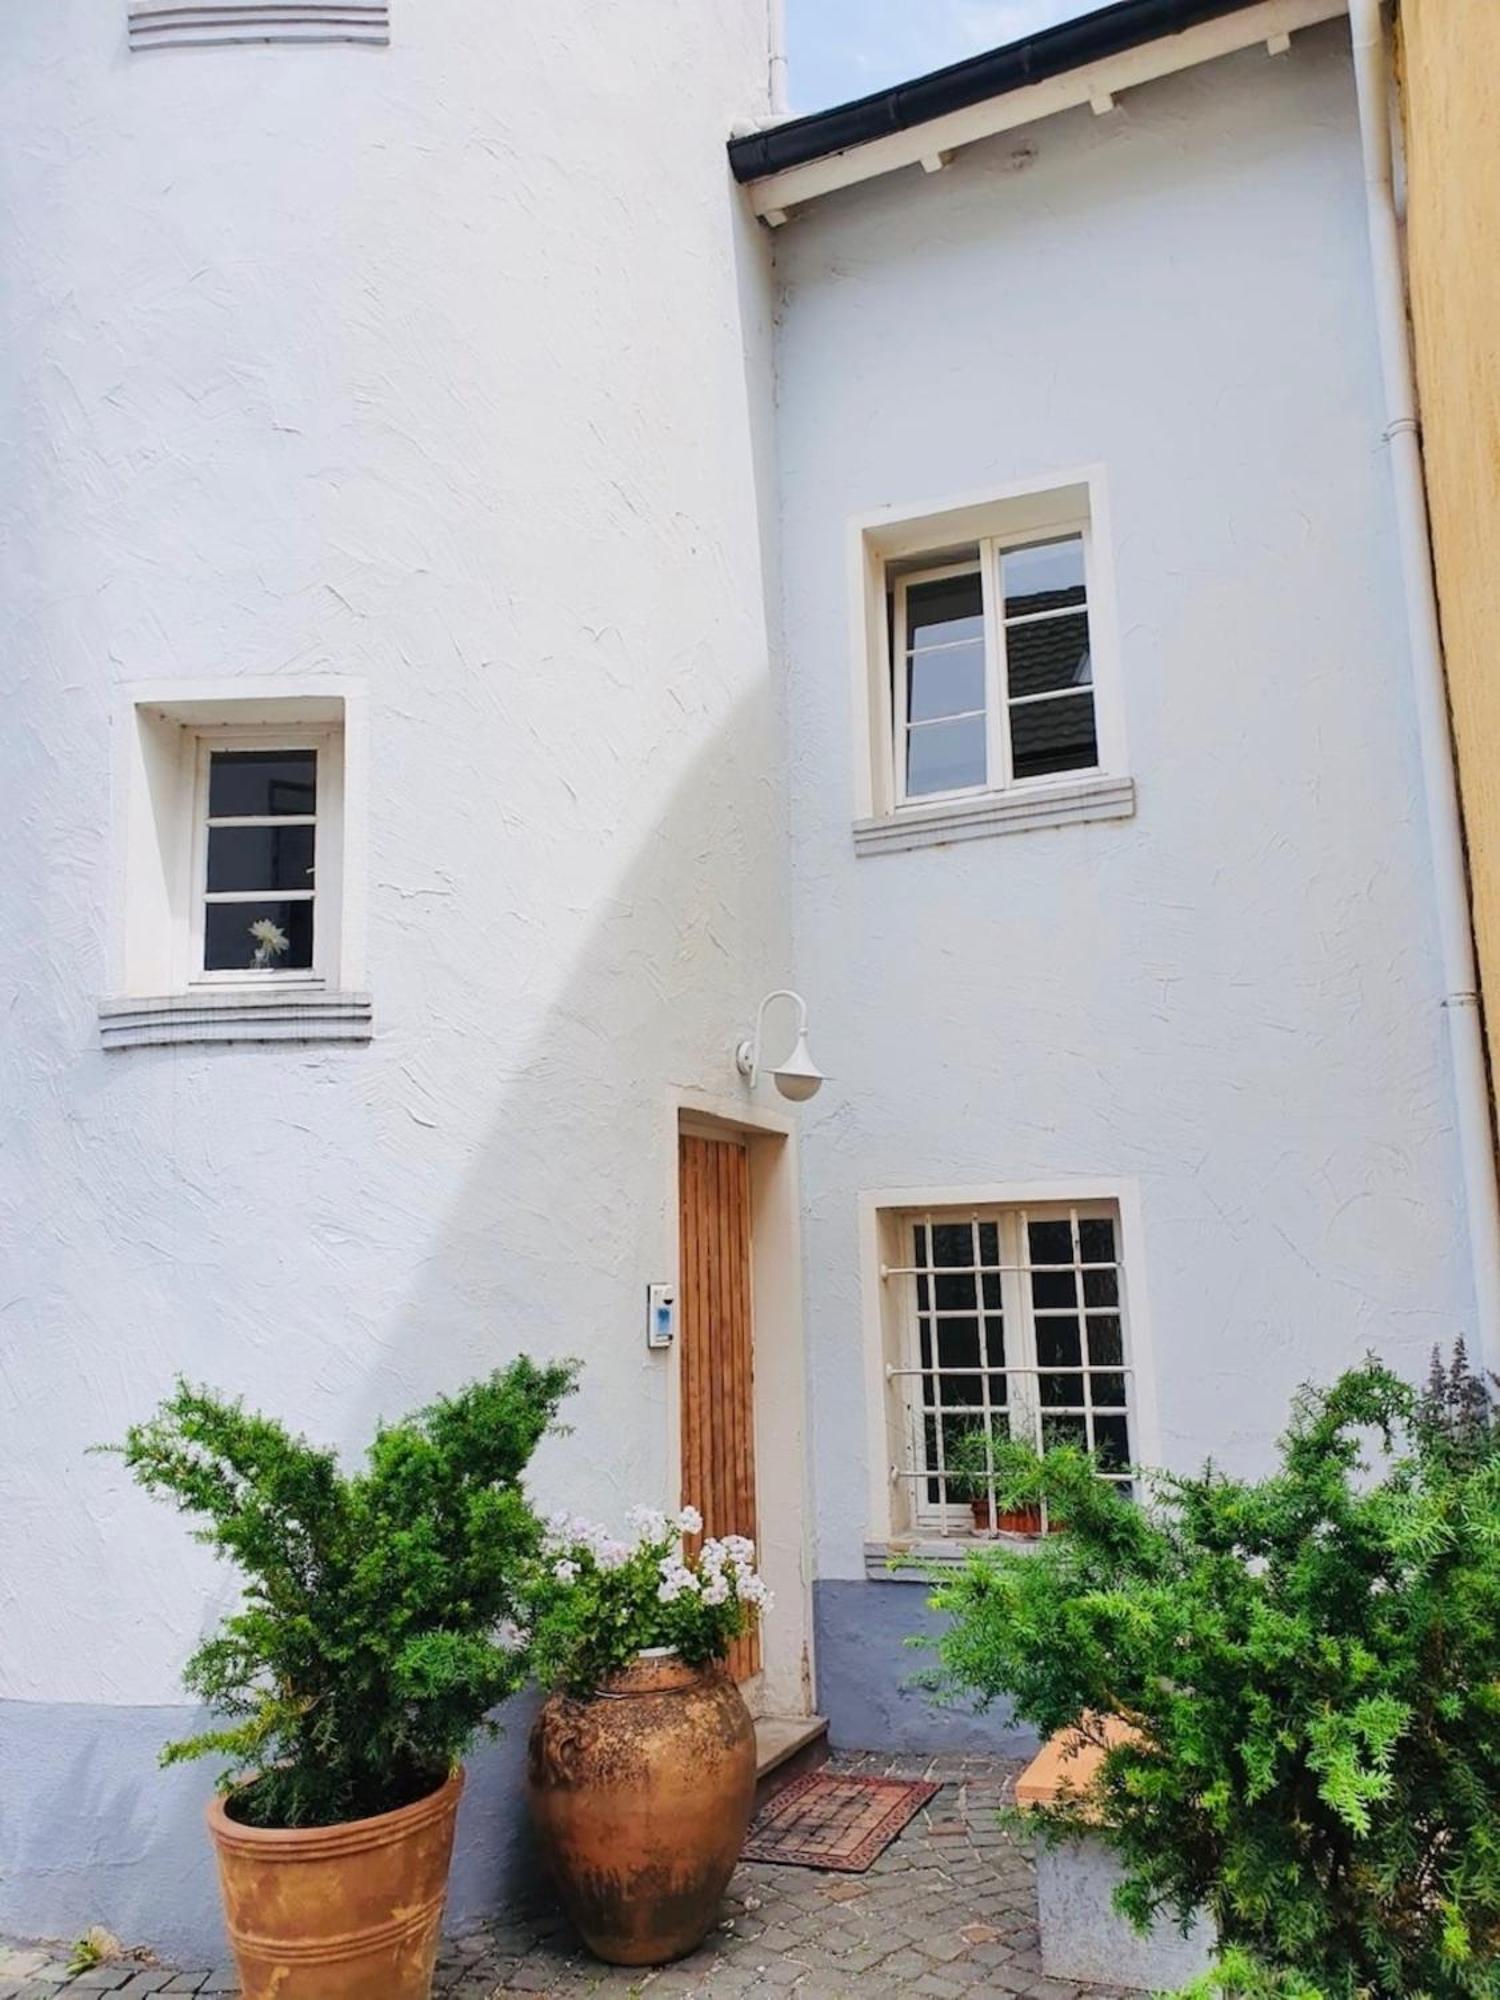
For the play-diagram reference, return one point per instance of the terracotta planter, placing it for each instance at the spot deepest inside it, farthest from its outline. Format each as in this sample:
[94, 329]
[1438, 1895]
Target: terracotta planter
[1008, 1520]
[642, 1796]
[338, 1912]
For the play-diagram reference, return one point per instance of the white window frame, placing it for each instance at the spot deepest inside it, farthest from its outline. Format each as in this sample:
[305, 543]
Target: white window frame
[898, 1513]
[998, 704]
[328, 857]
[1022, 1415]
[159, 991]
[896, 545]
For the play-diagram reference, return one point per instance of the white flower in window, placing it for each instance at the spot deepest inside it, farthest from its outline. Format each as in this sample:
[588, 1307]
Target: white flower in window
[270, 941]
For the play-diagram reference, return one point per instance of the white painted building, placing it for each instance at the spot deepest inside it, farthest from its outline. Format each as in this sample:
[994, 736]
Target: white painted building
[418, 541]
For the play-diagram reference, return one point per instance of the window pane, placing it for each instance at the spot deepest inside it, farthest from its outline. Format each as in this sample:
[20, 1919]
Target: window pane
[1041, 658]
[1051, 1243]
[946, 683]
[1107, 1391]
[945, 756]
[1050, 1289]
[1096, 1239]
[260, 857]
[994, 1334]
[1050, 736]
[1106, 1341]
[1112, 1440]
[952, 1243]
[955, 1294]
[941, 614]
[233, 943]
[1065, 1430]
[1042, 577]
[247, 784]
[1100, 1288]
[958, 1345]
[1057, 1346]
[1062, 1392]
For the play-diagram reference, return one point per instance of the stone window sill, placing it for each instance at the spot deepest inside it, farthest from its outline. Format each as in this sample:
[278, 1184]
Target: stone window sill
[999, 812]
[917, 1557]
[175, 1018]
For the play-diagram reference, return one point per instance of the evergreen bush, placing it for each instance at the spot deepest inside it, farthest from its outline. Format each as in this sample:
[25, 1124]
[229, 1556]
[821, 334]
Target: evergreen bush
[1312, 1662]
[372, 1641]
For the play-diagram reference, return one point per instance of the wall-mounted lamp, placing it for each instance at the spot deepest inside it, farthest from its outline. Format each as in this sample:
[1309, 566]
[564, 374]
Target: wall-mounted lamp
[799, 1076]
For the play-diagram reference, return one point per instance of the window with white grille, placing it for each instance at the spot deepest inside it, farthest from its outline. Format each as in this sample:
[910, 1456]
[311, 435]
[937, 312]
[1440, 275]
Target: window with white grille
[1012, 1323]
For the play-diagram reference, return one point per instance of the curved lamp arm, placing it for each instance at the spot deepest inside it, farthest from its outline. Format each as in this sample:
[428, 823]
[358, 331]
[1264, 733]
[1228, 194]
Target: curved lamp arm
[747, 1055]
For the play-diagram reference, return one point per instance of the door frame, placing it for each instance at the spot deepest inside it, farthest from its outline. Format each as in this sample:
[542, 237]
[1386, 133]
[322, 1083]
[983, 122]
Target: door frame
[784, 1686]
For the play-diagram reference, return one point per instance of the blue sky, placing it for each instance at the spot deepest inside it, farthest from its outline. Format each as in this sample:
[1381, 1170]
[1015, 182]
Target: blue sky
[843, 48]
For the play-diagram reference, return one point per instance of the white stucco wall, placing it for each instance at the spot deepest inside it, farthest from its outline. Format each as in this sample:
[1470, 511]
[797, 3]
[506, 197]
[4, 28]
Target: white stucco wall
[1232, 999]
[445, 368]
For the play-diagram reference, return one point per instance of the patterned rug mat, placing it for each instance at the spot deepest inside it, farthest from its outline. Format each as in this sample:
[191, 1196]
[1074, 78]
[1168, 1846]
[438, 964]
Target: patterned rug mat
[835, 1820]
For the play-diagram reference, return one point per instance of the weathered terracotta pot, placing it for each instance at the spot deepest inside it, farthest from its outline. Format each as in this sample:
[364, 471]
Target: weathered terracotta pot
[642, 1796]
[338, 1912]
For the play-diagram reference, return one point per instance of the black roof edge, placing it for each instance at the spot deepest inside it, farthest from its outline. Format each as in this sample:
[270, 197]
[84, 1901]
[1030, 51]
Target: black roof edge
[1053, 52]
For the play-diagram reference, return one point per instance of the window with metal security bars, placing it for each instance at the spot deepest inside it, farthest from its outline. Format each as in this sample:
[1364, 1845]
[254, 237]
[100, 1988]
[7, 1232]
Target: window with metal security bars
[992, 669]
[1013, 1325]
[176, 24]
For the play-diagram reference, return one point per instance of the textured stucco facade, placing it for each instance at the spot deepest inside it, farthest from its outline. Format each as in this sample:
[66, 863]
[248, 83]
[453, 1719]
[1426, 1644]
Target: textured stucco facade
[1230, 1001]
[446, 369]
[456, 374]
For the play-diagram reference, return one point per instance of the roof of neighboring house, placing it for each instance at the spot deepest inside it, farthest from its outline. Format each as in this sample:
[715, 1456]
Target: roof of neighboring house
[1052, 52]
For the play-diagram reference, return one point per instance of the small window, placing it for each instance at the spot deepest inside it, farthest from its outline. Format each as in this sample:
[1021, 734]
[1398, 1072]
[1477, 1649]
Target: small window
[259, 904]
[1012, 1323]
[993, 670]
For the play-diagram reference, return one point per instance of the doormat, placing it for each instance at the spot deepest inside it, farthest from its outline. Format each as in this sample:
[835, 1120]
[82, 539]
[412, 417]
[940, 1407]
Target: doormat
[833, 1820]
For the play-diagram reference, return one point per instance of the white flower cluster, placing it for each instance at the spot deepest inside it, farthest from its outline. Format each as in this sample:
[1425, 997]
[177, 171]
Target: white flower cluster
[725, 1568]
[568, 1533]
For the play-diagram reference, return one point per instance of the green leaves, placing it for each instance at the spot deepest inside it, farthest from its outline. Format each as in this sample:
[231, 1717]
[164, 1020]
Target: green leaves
[1312, 1661]
[368, 1650]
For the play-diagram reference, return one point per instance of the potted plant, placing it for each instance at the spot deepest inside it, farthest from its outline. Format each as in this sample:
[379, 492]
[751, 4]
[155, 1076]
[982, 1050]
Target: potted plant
[370, 1648]
[978, 1464]
[641, 1770]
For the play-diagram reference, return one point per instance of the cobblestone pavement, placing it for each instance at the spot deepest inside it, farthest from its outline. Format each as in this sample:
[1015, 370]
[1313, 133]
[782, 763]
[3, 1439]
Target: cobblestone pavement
[949, 1909]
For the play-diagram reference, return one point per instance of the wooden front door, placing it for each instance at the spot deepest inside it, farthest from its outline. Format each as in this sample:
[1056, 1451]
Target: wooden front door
[717, 1346]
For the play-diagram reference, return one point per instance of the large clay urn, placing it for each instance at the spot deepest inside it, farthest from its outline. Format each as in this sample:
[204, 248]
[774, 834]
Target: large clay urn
[343, 1912]
[642, 1796]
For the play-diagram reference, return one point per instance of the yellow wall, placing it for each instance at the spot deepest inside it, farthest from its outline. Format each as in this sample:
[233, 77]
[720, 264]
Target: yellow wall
[1450, 59]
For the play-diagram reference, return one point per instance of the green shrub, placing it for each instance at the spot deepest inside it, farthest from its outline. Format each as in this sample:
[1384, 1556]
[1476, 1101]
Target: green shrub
[1313, 1664]
[371, 1643]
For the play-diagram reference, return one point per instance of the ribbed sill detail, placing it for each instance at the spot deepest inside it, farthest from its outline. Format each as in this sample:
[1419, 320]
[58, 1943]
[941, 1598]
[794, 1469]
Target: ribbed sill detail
[236, 1017]
[999, 812]
[161, 24]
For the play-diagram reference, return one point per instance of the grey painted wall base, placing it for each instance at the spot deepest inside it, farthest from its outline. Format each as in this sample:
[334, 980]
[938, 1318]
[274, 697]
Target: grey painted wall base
[93, 1832]
[1084, 1936]
[864, 1671]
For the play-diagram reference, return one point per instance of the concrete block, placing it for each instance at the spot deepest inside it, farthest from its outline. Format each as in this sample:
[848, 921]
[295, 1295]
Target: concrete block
[1085, 1937]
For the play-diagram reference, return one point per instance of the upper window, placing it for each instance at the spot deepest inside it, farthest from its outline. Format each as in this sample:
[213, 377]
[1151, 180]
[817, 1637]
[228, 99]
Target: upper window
[993, 696]
[257, 914]
[1008, 1322]
[993, 670]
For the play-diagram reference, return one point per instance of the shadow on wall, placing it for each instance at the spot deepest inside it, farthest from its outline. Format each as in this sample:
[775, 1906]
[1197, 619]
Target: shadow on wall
[559, 1212]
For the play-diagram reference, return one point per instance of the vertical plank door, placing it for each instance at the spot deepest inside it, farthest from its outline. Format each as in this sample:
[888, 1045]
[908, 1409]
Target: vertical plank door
[717, 1350]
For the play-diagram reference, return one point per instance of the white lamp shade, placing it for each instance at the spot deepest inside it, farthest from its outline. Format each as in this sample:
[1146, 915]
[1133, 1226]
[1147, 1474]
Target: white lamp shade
[799, 1076]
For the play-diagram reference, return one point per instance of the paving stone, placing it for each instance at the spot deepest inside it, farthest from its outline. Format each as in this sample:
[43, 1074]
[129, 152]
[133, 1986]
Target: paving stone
[948, 1910]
